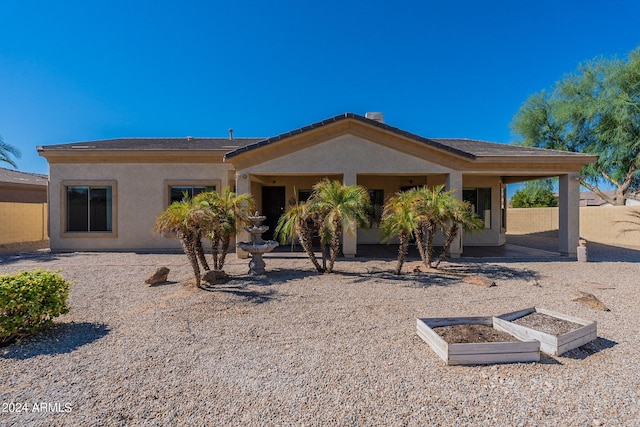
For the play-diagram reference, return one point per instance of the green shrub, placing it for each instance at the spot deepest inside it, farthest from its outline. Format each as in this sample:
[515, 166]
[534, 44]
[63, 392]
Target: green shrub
[29, 300]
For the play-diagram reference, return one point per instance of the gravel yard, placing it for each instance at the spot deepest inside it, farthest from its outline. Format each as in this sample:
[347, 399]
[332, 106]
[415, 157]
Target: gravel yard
[297, 348]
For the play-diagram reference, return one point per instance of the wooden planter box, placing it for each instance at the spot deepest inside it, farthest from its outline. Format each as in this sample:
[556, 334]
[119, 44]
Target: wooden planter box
[475, 353]
[550, 344]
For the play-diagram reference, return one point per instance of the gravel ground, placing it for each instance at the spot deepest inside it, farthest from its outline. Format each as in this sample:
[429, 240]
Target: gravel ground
[296, 348]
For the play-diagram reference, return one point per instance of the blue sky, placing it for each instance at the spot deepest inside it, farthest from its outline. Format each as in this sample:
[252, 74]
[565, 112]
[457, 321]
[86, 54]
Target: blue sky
[86, 70]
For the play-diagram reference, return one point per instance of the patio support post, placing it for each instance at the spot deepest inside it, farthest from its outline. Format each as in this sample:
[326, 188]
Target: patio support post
[569, 214]
[454, 182]
[349, 241]
[243, 186]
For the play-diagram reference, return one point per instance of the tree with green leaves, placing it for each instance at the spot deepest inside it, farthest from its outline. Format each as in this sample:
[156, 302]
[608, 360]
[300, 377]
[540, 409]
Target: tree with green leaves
[224, 215]
[459, 216]
[217, 217]
[594, 110]
[7, 150]
[535, 194]
[338, 207]
[431, 205]
[399, 218]
[182, 219]
[297, 222]
[331, 208]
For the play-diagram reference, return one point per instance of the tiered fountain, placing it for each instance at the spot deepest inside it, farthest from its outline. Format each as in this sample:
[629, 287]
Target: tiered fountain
[257, 246]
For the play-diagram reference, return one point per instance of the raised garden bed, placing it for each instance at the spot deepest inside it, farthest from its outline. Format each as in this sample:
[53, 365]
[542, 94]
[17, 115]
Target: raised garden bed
[474, 341]
[556, 332]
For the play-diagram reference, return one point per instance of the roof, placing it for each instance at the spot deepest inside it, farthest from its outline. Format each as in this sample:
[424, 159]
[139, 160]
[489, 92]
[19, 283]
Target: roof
[163, 144]
[468, 148]
[28, 178]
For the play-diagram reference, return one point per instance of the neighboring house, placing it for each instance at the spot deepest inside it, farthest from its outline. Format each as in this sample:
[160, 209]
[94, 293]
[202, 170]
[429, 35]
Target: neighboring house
[589, 198]
[22, 187]
[105, 195]
[23, 208]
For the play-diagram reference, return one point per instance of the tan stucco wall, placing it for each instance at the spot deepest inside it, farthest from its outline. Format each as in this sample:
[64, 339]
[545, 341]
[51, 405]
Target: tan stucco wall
[598, 224]
[23, 222]
[141, 196]
[346, 153]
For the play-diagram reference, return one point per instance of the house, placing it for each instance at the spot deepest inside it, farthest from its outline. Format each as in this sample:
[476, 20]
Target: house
[105, 195]
[23, 209]
[22, 187]
[589, 198]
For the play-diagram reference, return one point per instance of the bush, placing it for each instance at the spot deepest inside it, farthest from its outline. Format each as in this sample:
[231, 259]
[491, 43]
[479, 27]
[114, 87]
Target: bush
[29, 301]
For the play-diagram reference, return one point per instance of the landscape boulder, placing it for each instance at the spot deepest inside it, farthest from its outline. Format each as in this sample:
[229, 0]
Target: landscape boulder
[215, 276]
[159, 276]
[479, 281]
[591, 301]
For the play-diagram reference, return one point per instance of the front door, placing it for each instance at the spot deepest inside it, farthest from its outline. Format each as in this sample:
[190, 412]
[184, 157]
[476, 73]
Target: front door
[273, 205]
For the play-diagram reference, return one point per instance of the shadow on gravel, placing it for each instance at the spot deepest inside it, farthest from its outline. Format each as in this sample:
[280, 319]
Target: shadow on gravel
[60, 338]
[590, 348]
[248, 295]
[445, 276]
[43, 256]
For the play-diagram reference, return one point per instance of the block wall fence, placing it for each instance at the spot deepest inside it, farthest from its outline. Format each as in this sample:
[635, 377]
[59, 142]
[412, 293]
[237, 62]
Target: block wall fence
[598, 224]
[23, 222]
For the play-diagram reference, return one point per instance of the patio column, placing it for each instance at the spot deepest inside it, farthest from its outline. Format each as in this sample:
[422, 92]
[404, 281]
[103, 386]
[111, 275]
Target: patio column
[569, 214]
[454, 182]
[349, 241]
[243, 186]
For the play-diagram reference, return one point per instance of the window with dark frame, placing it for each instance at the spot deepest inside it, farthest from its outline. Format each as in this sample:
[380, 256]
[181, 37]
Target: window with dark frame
[177, 193]
[89, 209]
[480, 200]
[377, 205]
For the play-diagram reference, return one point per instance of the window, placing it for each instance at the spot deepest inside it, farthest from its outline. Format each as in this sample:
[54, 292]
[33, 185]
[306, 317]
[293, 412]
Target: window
[480, 199]
[178, 192]
[89, 208]
[303, 195]
[377, 204]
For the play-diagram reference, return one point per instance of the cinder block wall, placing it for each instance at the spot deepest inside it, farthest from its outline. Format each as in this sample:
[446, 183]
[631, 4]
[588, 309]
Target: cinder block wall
[23, 222]
[597, 224]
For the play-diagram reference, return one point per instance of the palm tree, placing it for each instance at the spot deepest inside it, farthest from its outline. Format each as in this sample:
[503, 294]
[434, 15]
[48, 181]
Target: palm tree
[431, 205]
[295, 223]
[225, 214]
[180, 218]
[6, 150]
[399, 218]
[459, 216]
[338, 207]
[234, 214]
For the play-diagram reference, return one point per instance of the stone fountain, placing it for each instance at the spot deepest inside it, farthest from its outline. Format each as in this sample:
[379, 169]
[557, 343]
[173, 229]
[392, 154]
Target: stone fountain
[257, 247]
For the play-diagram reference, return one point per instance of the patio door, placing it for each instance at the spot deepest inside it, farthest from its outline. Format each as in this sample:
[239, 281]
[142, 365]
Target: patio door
[273, 205]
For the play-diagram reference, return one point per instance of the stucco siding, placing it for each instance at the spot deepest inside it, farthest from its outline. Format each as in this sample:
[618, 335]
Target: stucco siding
[141, 194]
[347, 153]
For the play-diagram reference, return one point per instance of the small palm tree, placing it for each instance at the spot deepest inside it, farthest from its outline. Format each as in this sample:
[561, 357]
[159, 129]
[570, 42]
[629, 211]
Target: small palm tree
[224, 215]
[431, 206]
[459, 216]
[295, 223]
[6, 150]
[399, 218]
[180, 218]
[338, 207]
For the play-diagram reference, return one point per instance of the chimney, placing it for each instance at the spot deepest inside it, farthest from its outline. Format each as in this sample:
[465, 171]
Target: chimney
[377, 116]
[230, 133]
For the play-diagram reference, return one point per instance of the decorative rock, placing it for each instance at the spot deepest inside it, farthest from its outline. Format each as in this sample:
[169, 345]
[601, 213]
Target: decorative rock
[590, 300]
[215, 276]
[479, 281]
[159, 276]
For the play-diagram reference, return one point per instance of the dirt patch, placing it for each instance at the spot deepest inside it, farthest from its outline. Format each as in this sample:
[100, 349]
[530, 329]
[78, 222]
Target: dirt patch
[465, 334]
[548, 324]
